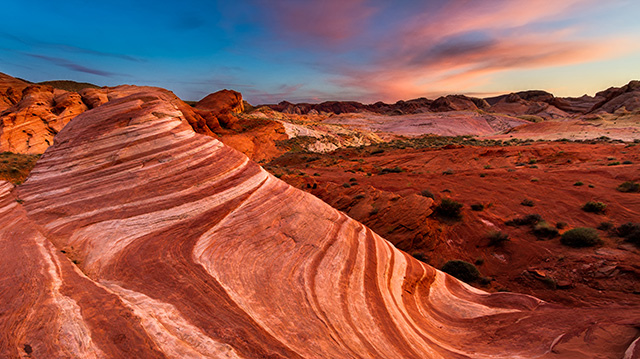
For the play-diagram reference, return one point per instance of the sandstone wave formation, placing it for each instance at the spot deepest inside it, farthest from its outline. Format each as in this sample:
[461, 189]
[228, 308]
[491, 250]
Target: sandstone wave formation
[135, 237]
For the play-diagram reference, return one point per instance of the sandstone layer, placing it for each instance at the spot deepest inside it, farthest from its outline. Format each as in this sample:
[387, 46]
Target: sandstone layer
[136, 237]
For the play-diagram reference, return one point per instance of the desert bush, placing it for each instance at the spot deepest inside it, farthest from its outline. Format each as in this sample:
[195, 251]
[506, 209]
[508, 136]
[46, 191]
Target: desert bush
[580, 237]
[579, 183]
[427, 193]
[594, 207]
[561, 225]
[497, 238]
[605, 226]
[448, 171]
[615, 163]
[528, 220]
[462, 270]
[449, 208]
[477, 207]
[629, 187]
[395, 169]
[630, 232]
[346, 185]
[627, 163]
[527, 202]
[544, 230]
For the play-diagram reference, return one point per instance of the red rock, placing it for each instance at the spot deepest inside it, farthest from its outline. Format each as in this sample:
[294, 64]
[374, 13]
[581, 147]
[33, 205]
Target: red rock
[30, 125]
[10, 91]
[218, 108]
[188, 249]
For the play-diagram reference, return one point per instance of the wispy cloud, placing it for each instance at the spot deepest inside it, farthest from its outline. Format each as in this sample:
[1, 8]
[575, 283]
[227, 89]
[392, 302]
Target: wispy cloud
[72, 65]
[461, 44]
[40, 45]
[327, 22]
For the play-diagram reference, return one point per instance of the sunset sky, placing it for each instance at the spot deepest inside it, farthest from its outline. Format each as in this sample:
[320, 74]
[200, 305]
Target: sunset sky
[299, 50]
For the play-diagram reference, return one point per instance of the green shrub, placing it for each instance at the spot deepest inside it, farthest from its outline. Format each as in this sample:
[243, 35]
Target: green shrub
[580, 237]
[627, 163]
[544, 230]
[395, 169]
[630, 232]
[579, 183]
[497, 238]
[477, 207]
[427, 193]
[616, 163]
[346, 185]
[528, 220]
[561, 225]
[527, 202]
[629, 187]
[449, 208]
[605, 226]
[462, 270]
[594, 207]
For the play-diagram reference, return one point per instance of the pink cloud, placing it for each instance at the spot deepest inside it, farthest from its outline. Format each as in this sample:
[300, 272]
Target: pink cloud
[328, 22]
[461, 44]
[454, 72]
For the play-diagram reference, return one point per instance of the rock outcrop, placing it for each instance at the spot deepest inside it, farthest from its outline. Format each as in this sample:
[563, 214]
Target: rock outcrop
[218, 109]
[534, 103]
[10, 90]
[30, 125]
[136, 237]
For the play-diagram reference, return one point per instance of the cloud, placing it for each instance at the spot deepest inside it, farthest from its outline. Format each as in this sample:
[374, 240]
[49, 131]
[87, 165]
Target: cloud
[327, 22]
[66, 48]
[72, 66]
[461, 43]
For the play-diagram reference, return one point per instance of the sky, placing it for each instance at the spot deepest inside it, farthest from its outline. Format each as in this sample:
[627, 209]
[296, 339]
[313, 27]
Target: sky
[313, 51]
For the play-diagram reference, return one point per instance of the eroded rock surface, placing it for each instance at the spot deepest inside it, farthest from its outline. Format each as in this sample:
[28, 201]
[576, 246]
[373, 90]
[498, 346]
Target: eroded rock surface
[136, 237]
[30, 125]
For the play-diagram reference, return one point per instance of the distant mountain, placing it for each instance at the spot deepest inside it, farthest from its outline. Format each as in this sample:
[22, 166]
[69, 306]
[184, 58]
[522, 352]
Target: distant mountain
[537, 103]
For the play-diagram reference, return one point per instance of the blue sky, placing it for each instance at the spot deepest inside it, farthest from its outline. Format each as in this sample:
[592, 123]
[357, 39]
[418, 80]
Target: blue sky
[300, 50]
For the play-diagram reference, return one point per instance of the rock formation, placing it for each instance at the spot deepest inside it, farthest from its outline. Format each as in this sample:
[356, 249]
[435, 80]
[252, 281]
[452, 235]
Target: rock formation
[136, 237]
[10, 90]
[30, 125]
[217, 109]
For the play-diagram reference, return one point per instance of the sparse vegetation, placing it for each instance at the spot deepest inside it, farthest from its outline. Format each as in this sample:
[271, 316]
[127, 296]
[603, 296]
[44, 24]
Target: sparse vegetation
[544, 230]
[449, 209]
[605, 226]
[594, 207]
[561, 225]
[427, 193]
[448, 171]
[395, 169]
[527, 202]
[629, 187]
[477, 207]
[630, 232]
[15, 167]
[497, 238]
[462, 270]
[346, 185]
[581, 237]
[528, 220]
[579, 183]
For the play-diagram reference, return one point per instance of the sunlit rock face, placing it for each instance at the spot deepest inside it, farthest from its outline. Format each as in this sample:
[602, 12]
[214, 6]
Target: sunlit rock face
[135, 237]
[42, 111]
